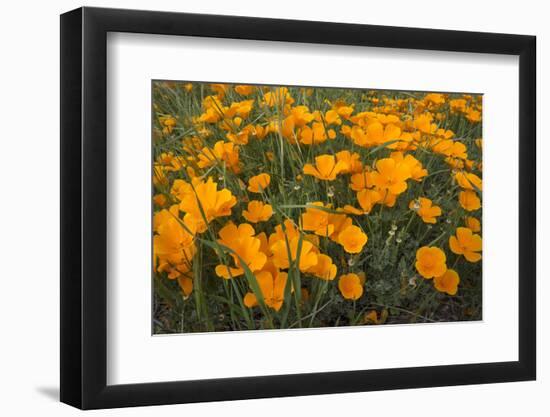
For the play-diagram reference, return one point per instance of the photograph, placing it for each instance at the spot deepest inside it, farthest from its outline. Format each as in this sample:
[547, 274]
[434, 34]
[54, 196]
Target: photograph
[291, 207]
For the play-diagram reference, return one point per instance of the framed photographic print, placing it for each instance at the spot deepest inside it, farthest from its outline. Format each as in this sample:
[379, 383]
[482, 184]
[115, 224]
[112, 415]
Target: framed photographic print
[257, 208]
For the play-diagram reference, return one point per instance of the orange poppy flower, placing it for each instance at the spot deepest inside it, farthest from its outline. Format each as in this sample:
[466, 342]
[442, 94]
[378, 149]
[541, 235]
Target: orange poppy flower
[352, 160]
[203, 203]
[473, 224]
[326, 168]
[350, 286]
[272, 287]
[469, 200]
[317, 220]
[391, 176]
[259, 183]
[367, 199]
[424, 208]
[448, 282]
[468, 181]
[324, 269]
[352, 239]
[466, 243]
[245, 249]
[280, 250]
[430, 262]
[258, 212]
[222, 152]
[244, 90]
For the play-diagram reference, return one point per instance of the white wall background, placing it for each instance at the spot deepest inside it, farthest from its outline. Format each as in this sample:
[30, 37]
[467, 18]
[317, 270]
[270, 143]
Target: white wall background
[29, 228]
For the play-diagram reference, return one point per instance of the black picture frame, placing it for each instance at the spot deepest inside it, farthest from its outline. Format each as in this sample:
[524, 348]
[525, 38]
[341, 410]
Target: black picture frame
[84, 207]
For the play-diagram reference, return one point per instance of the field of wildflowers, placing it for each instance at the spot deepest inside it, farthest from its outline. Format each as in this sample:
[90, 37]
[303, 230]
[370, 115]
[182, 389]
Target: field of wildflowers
[291, 207]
